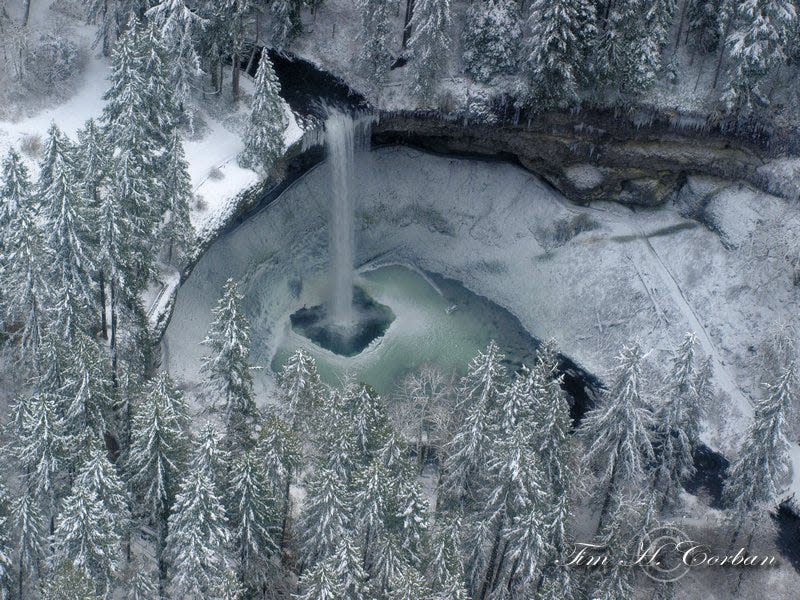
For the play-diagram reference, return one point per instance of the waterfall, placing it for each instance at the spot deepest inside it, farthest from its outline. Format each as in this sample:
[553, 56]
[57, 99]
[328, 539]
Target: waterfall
[345, 136]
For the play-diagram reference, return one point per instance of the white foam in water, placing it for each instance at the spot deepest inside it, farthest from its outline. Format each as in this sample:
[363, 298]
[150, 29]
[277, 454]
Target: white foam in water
[344, 137]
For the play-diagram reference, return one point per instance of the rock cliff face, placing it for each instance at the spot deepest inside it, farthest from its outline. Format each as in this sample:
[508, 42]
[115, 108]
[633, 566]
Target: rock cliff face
[588, 156]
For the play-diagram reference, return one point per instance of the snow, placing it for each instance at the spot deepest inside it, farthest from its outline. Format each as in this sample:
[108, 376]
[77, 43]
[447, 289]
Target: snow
[584, 177]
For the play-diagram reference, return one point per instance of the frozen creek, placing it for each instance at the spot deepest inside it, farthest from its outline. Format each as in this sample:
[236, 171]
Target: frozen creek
[713, 261]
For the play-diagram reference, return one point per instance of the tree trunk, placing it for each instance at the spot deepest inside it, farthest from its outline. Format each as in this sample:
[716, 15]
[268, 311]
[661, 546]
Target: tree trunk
[113, 341]
[487, 580]
[607, 500]
[285, 520]
[680, 27]
[103, 317]
[235, 77]
[722, 41]
[255, 44]
[161, 544]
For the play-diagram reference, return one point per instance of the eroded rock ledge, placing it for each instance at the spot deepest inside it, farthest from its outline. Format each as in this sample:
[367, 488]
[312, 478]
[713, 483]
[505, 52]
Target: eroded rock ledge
[590, 155]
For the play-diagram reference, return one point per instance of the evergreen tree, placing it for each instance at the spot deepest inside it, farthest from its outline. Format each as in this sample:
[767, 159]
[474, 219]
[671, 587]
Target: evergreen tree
[237, 15]
[757, 44]
[65, 226]
[6, 560]
[39, 445]
[411, 515]
[409, 584]
[69, 582]
[178, 229]
[263, 139]
[444, 558]
[627, 61]
[26, 288]
[375, 56]
[179, 27]
[555, 50]
[141, 585]
[157, 453]
[367, 413]
[30, 537]
[100, 478]
[491, 38]
[197, 539]
[347, 563]
[86, 537]
[228, 369]
[286, 21]
[298, 389]
[253, 517]
[370, 508]
[320, 583]
[617, 431]
[429, 45]
[469, 448]
[279, 449]
[325, 519]
[15, 192]
[755, 476]
[677, 425]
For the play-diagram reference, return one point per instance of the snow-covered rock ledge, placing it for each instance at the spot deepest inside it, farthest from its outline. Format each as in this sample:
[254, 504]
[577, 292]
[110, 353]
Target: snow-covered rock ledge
[596, 155]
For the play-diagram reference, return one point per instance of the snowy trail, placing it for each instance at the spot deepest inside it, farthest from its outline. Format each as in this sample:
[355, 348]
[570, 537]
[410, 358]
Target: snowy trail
[723, 377]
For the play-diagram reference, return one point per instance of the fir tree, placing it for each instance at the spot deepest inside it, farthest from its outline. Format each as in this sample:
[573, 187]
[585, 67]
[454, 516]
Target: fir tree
[443, 558]
[468, 451]
[279, 449]
[65, 226]
[69, 582]
[298, 388]
[677, 425]
[197, 539]
[179, 27]
[756, 45]
[6, 561]
[30, 537]
[408, 584]
[756, 475]
[263, 140]
[141, 585]
[15, 191]
[429, 45]
[320, 583]
[178, 229]
[86, 537]
[617, 431]
[411, 515]
[367, 413]
[228, 369]
[347, 564]
[375, 55]
[370, 507]
[286, 22]
[491, 37]
[100, 477]
[237, 15]
[555, 50]
[157, 453]
[26, 288]
[253, 517]
[325, 518]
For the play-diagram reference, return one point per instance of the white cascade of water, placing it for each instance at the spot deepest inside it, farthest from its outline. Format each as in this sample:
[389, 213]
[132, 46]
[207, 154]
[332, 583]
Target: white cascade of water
[345, 136]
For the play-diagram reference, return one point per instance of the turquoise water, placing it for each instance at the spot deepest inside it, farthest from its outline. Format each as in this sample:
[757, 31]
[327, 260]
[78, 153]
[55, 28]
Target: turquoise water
[437, 321]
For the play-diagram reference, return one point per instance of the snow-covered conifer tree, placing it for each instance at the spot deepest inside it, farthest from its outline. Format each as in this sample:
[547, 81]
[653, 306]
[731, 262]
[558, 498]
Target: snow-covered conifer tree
[263, 139]
[228, 369]
[100, 477]
[325, 519]
[444, 564]
[482, 389]
[299, 388]
[617, 432]
[6, 557]
[677, 421]
[756, 44]
[30, 537]
[371, 501]
[65, 221]
[180, 27]
[347, 563]
[254, 519]
[157, 452]
[320, 583]
[279, 450]
[178, 230]
[429, 45]
[491, 38]
[408, 584]
[367, 415]
[555, 49]
[86, 537]
[375, 55]
[762, 464]
[15, 191]
[286, 21]
[142, 585]
[197, 539]
[411, 515]
[70, 583]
